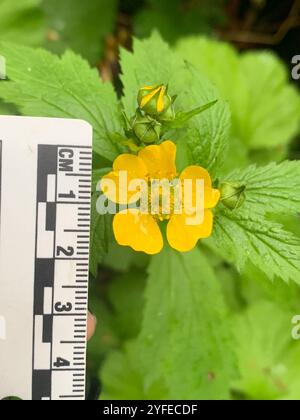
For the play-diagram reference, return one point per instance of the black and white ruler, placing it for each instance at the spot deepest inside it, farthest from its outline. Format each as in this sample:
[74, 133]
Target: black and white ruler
[45, 190]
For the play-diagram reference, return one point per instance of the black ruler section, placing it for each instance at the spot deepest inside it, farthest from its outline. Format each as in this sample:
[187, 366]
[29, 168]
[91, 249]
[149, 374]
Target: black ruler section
[44, 274]
[61, 272]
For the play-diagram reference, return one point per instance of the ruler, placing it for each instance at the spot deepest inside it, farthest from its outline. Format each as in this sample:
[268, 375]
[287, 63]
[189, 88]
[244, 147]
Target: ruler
[45, 191]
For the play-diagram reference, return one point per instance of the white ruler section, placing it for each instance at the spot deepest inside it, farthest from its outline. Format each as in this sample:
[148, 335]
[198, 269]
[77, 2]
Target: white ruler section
[45, 192]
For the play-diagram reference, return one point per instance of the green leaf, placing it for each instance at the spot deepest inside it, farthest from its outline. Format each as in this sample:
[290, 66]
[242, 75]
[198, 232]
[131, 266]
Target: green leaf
[175, 19]
[80, 25]
[120, 378]
[122, 258]
[185, 335]
[265, 109]
[268, 357]
[117, 304]
[7, 109]
[253, 287]
[207, 134]
[42, 84]
[289, 222]
[101, 236]
[273, 188]
[126, 296]
[184, 350]
[97, 175]
[153, 63]
[273, 104]
[241, 236]
[21, 21]
[183, 117]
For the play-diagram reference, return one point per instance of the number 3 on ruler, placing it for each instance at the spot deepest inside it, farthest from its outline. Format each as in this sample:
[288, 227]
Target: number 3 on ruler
[59, 307]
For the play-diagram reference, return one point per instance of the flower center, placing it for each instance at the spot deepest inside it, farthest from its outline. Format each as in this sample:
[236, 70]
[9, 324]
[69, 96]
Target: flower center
[162, 198]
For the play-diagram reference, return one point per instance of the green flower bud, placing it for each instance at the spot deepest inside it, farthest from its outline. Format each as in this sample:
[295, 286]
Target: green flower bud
[232, 194]
[168, 115]
[154, 100]
[146, 129]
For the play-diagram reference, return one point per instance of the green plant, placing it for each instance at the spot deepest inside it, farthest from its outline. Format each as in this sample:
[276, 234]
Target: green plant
[264, 105]
[21, 21]
[80, 25]
[177, 325]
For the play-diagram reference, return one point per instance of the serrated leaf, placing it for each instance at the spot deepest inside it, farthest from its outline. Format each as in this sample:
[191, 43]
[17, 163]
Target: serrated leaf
[80, 25]
[273, 188]
[184, 350]
[265, 109]
[153, 63]
[254, 286]
[21, 21]
[242, 236]
[101, 236]
[207, 134]
[42, 84]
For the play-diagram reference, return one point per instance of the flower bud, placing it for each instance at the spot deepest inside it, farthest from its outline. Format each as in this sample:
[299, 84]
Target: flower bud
[168, 115]
[232, 194]
[154, 100]
[146, 129]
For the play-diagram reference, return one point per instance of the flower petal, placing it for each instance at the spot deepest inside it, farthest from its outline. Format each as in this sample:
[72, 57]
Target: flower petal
[184, 237]
[131, 163]
[148, 97]
[126, 168]
[137, 230]
[211, 196]
[148, 87]
[196, 172]
[160, 160]
[160, 101]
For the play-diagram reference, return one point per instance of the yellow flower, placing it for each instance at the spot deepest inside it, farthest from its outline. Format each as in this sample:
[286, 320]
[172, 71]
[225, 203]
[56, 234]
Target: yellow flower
[138, 228]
